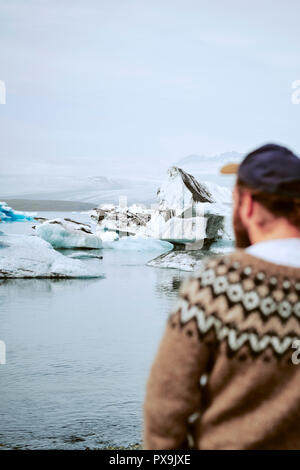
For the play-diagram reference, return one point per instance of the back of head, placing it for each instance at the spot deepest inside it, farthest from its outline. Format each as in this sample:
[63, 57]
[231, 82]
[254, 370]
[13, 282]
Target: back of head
[267, 195]
[274, 206]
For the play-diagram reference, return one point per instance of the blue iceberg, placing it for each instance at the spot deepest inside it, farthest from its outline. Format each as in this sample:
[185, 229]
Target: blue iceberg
[7, 214]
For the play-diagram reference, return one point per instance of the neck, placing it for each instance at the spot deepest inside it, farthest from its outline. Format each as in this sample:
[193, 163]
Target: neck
[279, 231]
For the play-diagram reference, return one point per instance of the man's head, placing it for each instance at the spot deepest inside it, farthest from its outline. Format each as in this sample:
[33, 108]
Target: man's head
[266, 196]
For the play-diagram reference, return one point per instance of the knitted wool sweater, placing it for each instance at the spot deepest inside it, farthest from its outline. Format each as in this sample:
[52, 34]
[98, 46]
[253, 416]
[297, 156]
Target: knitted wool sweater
[225, 373]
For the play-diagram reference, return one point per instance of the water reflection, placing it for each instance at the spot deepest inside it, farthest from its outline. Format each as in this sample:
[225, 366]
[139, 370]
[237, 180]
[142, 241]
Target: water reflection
[40, 286]
[168, 281]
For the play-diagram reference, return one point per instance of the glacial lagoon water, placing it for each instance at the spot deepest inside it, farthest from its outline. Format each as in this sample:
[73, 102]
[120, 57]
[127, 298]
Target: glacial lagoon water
[79, 351]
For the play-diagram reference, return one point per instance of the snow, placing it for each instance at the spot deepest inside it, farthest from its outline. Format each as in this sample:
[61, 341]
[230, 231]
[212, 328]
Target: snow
[107, 235]
[65, 233]
[7, 214]
[25, 256]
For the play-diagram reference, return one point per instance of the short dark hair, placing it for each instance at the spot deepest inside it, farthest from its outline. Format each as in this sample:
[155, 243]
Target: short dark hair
[277, 204]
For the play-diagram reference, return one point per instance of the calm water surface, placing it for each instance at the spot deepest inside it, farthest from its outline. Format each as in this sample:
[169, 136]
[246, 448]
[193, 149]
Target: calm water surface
[79, 351]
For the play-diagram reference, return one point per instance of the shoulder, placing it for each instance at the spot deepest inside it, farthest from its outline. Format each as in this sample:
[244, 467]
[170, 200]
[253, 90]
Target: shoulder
[214, 271]
[244, 301]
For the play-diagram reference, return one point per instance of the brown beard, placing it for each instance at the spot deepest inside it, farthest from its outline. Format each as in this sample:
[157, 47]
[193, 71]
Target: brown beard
[242, 239]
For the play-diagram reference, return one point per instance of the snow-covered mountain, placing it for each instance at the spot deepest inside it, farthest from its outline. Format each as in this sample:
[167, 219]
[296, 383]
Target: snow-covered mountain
[94, 189]
[200, 164]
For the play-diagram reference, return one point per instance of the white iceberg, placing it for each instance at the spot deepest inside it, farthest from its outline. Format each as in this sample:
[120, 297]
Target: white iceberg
[67, 233]
[24, 256]
[181, 190]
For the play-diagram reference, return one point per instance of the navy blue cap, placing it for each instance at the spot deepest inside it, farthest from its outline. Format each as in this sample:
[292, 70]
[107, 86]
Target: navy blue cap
[270, 169]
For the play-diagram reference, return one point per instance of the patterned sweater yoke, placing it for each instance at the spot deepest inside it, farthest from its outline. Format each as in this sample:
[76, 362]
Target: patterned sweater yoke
[227, 358]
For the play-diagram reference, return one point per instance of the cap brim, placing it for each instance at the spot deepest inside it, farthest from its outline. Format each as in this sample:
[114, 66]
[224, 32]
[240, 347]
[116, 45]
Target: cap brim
[230, 169]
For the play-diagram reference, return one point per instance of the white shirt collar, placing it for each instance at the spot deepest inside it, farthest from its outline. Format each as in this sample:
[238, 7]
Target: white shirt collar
[283, 251]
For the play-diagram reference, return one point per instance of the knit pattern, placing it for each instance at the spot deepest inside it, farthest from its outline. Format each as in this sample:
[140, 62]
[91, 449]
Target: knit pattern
[243, 304]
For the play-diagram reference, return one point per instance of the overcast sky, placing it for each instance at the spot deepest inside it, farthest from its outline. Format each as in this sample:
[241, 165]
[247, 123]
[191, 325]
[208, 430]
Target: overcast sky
[106, 86]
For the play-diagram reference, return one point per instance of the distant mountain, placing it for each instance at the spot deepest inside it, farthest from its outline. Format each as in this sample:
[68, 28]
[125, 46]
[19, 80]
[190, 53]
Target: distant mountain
[190, 159]
[204, 164]
[93, 189]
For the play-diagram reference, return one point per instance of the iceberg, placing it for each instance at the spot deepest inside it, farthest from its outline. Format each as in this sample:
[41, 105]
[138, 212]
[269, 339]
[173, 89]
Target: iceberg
[181, 190]
[67, 233]
[192, 211]
[7, 214]
[27, 256]
[138, 244]
[188, 213]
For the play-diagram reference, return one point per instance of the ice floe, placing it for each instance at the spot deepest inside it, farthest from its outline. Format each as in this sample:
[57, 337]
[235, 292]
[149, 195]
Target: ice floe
[67, 233]
[24, 256]
[182, 260]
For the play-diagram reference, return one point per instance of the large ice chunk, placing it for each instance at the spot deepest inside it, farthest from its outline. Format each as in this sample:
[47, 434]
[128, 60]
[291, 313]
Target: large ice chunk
[24, 256]
[67, 233]
[181, 190]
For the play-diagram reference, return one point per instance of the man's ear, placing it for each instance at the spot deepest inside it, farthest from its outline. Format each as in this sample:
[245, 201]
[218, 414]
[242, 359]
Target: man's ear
[246, 208]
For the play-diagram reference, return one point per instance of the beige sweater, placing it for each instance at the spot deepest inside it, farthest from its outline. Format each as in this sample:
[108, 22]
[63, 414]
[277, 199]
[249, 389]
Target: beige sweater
[224, 373]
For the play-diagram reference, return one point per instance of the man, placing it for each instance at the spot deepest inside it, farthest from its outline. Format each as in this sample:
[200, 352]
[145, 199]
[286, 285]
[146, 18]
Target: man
[225, 376]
